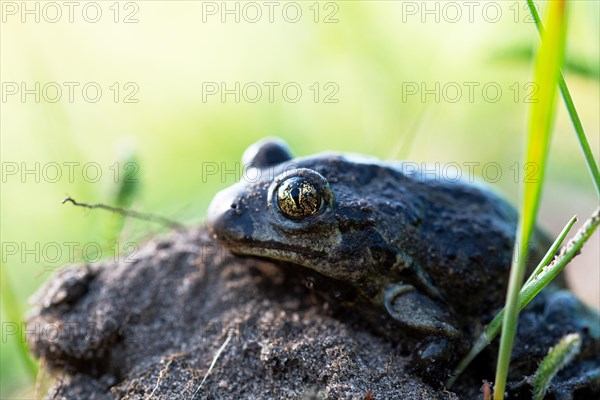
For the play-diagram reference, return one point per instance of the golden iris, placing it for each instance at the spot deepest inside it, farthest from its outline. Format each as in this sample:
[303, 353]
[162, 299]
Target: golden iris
[298, 198]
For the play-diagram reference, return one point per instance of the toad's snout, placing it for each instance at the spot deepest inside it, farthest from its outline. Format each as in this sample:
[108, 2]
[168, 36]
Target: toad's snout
[224, 218]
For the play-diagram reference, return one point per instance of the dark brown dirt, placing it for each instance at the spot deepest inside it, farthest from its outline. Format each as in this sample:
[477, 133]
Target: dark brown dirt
[150, 326]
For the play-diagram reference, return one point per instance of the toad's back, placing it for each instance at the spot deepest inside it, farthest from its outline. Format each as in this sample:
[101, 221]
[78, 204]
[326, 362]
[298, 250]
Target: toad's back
[372, 225]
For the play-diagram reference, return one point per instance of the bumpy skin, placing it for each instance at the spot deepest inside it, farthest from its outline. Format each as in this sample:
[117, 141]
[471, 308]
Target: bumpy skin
[431, 251]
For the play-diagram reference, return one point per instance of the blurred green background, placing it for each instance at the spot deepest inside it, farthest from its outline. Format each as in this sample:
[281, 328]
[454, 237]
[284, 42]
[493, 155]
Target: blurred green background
[386, 78]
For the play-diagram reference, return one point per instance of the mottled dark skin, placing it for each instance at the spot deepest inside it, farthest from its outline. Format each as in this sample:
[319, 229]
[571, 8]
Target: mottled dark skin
[430, 252]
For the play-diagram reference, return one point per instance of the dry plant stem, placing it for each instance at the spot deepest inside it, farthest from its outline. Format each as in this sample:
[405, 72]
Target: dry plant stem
[128, 213]
[212, 364]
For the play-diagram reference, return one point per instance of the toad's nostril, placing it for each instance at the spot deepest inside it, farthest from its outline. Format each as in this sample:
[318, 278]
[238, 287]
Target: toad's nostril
[233, 205]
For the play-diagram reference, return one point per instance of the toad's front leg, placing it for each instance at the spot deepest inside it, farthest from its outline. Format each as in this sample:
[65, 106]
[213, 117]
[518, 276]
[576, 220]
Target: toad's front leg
[422, 315]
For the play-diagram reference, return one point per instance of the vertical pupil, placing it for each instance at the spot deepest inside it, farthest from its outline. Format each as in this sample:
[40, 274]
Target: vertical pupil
[297, 198]
[295, 193]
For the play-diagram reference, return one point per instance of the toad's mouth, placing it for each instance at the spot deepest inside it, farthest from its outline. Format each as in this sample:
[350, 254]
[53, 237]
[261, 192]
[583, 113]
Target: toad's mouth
[274, 250]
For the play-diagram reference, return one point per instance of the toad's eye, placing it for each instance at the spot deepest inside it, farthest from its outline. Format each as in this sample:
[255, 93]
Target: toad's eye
[298, 198]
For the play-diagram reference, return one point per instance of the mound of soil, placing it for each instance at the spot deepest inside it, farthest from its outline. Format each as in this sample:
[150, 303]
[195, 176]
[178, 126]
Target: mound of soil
[184, 319]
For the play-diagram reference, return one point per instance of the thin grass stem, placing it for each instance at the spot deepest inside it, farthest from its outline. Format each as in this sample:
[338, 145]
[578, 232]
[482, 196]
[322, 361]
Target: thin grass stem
[573, 115]
[11, 306]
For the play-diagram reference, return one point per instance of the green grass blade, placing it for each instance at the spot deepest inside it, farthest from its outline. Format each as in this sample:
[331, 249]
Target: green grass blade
[573, 115]
[547, 70]
[11, 306]
[552, 250]
[566, 255]
[558, 357]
